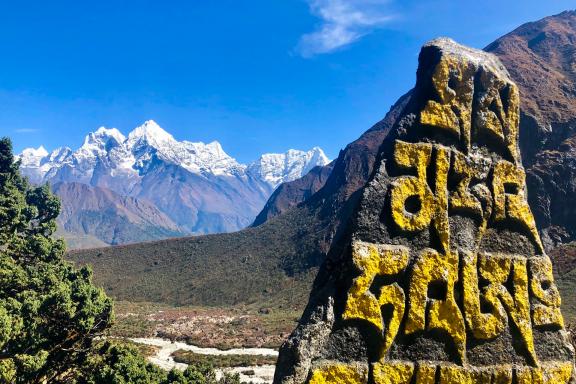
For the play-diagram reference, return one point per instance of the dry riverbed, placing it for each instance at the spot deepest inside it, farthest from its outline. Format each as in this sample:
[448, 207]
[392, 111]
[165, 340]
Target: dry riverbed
[241, 339]
[167, 352]
[222, 328]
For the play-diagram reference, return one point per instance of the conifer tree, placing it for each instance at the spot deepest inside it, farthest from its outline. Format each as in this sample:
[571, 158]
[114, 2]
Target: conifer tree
[50, 312]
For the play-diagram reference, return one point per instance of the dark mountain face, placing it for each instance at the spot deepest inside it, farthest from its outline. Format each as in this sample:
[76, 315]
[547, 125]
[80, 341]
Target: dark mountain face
[290, 194]
[327, 189]
[114, 219]
[541, 59]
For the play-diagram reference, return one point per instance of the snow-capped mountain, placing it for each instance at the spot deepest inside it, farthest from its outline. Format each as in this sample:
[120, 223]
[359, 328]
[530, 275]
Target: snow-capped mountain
[278, 168]
[198, 187]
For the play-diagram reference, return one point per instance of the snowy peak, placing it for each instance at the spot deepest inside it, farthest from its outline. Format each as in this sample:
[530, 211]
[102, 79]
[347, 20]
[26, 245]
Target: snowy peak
[278, 168]
[111, 153]
[31, 157]
[102, 140]
[195, 186]
[207, 159]
[105, 134]
[151, 133]
[59, 154]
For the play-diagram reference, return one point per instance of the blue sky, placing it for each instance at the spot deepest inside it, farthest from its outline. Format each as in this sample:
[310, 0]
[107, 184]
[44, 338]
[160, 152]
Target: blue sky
[256, 75]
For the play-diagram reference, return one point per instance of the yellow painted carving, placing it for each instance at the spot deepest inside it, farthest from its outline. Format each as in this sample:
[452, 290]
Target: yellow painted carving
[377, 260]
[483, 325]
[547, 310]
[496, 270]
[393, 372]
[444, 314]
[498, 110]
[513, 205]
[502, 374]
[425, 374]
[452, 112]
[513, 122]
[440, 216]
[433, 205]
[451, 374]
[557, 372]
[524, 375]
[412, 156]
[462, 198]
[339, 374]
[403, 372]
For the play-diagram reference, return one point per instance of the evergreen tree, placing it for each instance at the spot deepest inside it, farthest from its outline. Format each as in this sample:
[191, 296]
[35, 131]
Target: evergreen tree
[50, 312]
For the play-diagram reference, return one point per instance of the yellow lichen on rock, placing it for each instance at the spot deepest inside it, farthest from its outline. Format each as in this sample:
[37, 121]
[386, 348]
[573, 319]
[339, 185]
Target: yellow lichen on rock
[412, 156]
[510, 198]
[452, 111]
[440, 272]
[547, 310]
[462, 198]
[496, 270]
[482, 325]
[339, 374]
[393, 372]
[377, 260]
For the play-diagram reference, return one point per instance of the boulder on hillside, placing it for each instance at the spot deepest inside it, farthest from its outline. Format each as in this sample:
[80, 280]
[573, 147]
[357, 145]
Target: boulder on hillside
[441, 275]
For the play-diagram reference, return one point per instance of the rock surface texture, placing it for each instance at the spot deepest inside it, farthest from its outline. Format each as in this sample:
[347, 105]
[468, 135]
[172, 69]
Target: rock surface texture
[441, 275]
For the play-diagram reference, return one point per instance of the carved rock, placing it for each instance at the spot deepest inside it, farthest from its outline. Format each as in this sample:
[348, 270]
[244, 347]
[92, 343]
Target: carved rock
[442, 276]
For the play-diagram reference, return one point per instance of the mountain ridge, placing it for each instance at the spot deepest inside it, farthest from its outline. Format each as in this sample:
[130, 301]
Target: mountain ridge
[198, 186]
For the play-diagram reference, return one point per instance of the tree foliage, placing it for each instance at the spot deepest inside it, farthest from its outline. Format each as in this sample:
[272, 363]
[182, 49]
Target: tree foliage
[123, 364]
[49, 311]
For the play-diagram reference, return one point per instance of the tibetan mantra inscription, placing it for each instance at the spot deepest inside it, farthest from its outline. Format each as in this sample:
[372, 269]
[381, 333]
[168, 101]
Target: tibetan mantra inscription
[450, 282]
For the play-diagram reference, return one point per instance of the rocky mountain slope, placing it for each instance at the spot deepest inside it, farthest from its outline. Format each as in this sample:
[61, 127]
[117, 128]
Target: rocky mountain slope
[303, 218]
[113, 218]
[155, 186]
[541, 59]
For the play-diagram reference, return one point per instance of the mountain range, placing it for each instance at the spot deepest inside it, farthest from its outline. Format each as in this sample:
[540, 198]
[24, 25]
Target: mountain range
[300, 225]
[118, 189]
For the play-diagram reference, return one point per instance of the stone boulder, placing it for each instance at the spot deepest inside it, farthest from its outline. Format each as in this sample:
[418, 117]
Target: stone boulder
[441, 275]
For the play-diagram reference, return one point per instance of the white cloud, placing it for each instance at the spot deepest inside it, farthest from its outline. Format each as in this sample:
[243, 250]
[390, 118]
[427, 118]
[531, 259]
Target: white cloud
[342, 23]
[26, 130]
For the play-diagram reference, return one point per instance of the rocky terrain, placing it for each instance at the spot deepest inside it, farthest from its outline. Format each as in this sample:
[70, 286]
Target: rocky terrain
[147, 185]
[541, 58]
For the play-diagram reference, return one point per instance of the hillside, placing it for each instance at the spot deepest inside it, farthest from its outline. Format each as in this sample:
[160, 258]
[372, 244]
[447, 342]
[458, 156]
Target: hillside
[296, 231]
[261, 264]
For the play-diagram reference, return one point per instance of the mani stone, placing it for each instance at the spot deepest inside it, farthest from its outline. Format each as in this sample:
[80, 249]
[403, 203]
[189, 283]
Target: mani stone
[441, 276]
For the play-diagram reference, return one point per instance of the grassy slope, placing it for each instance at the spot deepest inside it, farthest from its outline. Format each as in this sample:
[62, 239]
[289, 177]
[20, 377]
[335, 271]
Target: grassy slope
[258, 265]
